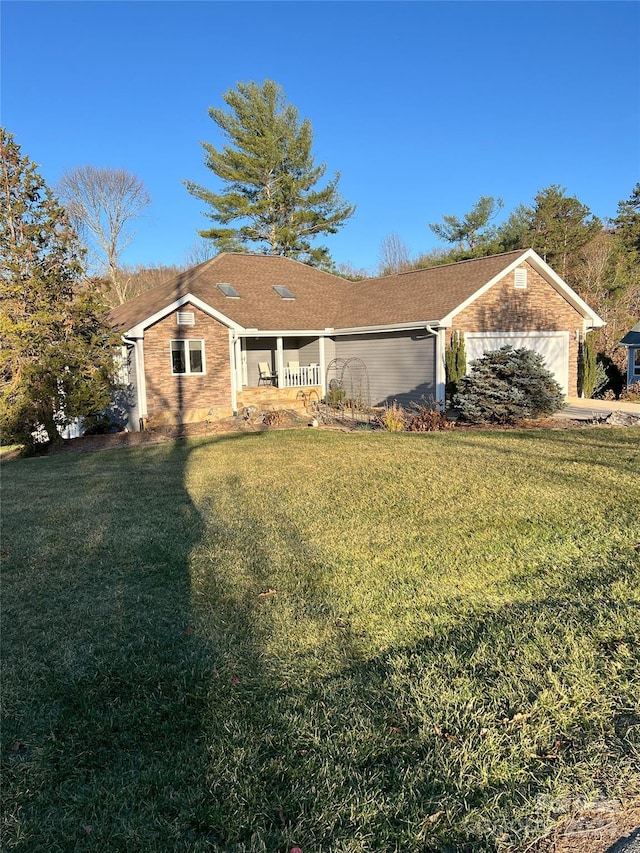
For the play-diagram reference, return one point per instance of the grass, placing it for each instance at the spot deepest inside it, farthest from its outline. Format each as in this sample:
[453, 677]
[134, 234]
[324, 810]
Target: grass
[345, 643]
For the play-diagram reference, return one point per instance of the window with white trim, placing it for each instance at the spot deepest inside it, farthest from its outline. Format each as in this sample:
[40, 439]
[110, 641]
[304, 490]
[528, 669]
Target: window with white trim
[520, 278]
[636, 362]
[187, 357]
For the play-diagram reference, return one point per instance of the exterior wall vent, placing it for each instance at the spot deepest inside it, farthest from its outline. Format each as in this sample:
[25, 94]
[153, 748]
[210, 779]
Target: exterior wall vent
[186, 318]
[520, 278]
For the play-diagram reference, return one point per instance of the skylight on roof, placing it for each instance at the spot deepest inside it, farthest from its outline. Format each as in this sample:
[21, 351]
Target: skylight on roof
[283, 291]
[229, 291]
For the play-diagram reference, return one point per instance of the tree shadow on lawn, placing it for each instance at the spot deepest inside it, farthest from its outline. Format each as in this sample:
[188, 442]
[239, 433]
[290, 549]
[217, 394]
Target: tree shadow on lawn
[449, 743]
[104, 679]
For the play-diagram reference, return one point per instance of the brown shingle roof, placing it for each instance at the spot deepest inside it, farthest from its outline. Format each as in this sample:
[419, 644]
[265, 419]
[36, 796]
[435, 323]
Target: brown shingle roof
[321, 300]
[428, 294]
[317, 294]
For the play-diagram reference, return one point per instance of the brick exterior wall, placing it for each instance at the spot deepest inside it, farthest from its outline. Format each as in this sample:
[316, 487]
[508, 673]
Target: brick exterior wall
[539, 307]
[187, 398]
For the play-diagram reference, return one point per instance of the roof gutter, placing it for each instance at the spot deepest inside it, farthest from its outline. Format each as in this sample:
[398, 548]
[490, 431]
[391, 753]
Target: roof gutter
[389, 327]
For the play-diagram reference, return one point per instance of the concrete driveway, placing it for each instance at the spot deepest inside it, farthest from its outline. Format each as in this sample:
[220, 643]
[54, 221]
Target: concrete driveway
[577, 409]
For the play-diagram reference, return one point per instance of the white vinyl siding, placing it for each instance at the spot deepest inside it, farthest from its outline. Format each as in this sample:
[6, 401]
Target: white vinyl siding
[400, 365]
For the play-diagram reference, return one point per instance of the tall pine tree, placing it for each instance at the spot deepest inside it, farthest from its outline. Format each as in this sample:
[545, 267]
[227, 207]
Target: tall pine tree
[270, 199]
[56, 359]
[560, 226]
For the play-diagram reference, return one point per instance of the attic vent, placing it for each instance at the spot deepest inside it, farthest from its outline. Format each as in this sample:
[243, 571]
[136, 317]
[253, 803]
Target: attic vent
[521, 278]
[283, 291]
[186, 318]
[229, 291]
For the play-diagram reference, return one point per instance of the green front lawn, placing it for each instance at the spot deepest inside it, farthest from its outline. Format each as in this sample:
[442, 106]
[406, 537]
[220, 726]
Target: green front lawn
[342, 642]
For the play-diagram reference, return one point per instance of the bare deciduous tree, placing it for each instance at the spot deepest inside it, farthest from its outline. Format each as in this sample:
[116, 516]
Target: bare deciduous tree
[102, 204]
[394, 255]
[202, 250]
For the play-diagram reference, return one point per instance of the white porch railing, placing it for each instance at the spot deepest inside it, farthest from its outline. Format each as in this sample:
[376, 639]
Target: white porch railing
[306, 374]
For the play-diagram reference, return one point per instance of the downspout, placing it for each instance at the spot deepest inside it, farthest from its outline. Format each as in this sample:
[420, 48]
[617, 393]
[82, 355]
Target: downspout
[441, 343]
[141, 385]
[233, 371]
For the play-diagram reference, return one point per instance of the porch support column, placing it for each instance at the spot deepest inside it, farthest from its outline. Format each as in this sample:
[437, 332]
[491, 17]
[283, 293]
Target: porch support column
[279, 361]
[441, 374]
[233, 372]
[323, 366]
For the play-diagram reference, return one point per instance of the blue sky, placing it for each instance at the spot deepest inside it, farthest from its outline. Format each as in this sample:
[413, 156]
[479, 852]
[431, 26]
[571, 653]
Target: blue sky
[422, 106]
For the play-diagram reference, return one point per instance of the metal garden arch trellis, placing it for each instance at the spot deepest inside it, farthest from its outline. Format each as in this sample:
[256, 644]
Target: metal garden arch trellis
[347, 384]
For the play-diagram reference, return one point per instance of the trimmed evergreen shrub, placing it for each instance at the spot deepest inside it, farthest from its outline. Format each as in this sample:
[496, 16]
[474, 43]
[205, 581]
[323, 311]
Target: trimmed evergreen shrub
[506, 386]
[455, 363]
[587, 366]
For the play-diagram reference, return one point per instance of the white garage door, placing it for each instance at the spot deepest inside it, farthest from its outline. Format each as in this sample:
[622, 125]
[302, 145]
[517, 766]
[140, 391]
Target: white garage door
[552, 346]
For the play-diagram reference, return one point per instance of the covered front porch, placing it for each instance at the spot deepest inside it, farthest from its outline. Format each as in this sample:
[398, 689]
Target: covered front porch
[278, 367]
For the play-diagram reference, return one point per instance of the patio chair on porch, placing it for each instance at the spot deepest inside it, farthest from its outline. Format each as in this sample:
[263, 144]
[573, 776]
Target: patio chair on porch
[265, 375]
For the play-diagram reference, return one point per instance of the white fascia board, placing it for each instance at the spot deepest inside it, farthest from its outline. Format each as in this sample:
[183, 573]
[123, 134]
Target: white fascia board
[596, 322]
[388, 327]
[282, 333]
[138, 330]
[328, 333]
[546, 272]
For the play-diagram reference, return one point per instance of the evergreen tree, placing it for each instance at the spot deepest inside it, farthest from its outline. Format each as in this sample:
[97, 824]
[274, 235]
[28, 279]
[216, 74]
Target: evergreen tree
[627, 222]
[515, 231]
[587, 366]
[506, 386]
[560, 226]
[455, 363]
[56, 359]
[270, 198]
[472, 233]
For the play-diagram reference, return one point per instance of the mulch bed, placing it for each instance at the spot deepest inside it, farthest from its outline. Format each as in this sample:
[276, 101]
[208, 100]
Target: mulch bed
[290, 420]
